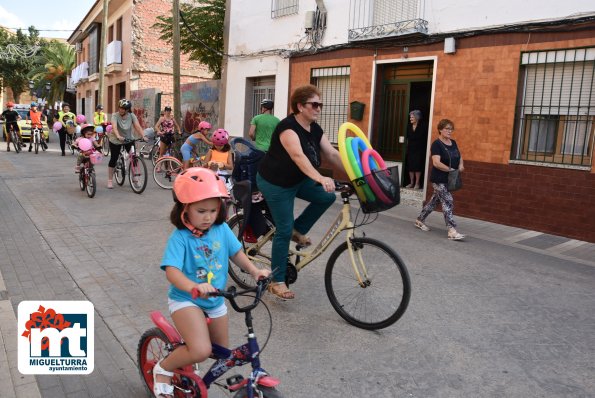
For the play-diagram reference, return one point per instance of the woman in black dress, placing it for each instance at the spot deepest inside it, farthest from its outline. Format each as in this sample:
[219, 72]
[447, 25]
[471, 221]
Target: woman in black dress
[417, 133]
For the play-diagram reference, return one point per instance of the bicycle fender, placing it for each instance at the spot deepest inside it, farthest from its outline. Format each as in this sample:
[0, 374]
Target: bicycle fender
[162, 323]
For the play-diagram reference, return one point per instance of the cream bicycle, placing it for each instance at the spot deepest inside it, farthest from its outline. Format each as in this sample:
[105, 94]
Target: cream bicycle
[366, 281]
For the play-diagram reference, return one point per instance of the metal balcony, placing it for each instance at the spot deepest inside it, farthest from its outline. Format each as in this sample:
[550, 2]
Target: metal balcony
[376, 19]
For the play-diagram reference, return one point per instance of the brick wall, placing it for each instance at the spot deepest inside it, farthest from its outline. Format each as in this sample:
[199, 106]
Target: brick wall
[552, 200]
[150, 54]
[477, 88]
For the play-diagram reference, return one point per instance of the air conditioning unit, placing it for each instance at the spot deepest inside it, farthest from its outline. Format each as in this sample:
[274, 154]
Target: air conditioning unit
[78, 47]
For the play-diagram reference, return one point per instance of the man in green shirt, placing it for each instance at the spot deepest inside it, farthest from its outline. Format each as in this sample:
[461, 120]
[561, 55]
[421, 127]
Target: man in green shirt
[263, 125]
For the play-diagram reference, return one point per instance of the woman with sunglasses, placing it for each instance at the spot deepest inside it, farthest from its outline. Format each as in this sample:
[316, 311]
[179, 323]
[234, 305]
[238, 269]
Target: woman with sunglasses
[288, 171]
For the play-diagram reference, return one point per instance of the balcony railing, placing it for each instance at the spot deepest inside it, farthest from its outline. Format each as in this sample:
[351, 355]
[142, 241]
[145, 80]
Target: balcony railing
[375, 19]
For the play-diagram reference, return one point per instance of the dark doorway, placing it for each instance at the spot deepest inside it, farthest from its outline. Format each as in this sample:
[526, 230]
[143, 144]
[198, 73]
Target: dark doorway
[420, 97]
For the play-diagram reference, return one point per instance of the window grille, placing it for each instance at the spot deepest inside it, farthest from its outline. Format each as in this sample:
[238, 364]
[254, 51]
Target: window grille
[333, 84]
[555, 112]
[281, 8]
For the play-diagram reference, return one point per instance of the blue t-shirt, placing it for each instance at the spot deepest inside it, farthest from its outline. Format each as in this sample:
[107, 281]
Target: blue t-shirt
[197, 257]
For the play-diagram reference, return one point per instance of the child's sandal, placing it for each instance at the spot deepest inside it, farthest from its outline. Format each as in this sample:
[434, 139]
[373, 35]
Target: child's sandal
[162, 389]
[280, 290]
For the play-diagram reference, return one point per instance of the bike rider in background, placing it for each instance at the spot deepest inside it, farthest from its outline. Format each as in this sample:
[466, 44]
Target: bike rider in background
[34, 118]
[11, 117]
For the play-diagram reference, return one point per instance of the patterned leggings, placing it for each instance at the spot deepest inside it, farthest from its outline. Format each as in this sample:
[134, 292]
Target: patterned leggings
[440, 194]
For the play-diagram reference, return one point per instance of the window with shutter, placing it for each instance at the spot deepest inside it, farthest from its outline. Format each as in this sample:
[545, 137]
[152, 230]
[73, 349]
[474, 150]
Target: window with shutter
[556, 107]
[333, 84]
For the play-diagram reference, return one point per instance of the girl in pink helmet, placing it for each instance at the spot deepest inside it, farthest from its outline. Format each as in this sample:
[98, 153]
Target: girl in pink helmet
[219, 158]
[196, 257]
[87, 134]
[199, 135]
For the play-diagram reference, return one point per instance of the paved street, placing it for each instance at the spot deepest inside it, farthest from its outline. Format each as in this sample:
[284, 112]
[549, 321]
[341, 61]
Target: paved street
[507, 313]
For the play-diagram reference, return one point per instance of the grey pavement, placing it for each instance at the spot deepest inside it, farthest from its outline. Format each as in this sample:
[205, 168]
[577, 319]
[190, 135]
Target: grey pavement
[506, 313]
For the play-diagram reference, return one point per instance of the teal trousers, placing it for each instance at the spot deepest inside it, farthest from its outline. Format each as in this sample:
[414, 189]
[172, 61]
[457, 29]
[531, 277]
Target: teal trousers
[281, 202]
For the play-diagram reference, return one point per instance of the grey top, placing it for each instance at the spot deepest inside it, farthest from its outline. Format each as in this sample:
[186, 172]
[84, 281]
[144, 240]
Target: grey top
[125, 126]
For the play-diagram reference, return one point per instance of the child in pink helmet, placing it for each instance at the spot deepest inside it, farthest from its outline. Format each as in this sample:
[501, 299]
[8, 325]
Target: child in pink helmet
[87, 133]
[200, 135]
[219, 157]
[196, 258]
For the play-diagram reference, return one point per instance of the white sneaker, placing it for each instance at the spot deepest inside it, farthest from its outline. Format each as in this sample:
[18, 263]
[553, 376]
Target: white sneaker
[422, 226]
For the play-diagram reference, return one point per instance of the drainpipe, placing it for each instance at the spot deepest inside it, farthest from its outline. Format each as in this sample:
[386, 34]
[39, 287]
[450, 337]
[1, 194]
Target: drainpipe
[102, 54]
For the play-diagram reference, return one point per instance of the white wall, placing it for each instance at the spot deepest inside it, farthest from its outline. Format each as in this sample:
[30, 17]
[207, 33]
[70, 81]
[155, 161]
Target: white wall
[237, 74]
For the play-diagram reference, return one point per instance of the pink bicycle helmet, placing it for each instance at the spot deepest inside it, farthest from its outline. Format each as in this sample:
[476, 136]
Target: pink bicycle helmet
[204, 125]
[86, 126]
[220, 137]
[85, 144]
[80, 119]
[198, 183]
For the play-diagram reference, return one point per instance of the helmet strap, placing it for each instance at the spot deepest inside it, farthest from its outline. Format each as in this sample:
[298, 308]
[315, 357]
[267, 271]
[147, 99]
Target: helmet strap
[184, 216]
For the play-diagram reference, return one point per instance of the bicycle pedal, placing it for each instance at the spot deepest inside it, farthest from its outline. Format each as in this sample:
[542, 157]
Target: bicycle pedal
[233, 380]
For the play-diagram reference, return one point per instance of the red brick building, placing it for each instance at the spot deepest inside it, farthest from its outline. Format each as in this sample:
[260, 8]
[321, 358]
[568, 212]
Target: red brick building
[522, 100]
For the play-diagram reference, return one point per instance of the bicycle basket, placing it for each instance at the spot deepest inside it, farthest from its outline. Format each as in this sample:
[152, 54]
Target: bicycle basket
[96, 157]
[379, 190]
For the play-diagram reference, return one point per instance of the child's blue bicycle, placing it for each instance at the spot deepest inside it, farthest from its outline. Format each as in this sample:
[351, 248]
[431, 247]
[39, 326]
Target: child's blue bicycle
[156, 343]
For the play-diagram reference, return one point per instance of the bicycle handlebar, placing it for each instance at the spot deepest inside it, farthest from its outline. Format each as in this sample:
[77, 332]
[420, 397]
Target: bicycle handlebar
[231, 293]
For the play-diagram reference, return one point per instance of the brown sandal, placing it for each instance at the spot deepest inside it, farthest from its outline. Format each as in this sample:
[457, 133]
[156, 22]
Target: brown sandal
[280, 290]
[302, 240]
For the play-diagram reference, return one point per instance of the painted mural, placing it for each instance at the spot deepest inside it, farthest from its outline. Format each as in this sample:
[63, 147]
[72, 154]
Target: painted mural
[144, 106]
[200, 101]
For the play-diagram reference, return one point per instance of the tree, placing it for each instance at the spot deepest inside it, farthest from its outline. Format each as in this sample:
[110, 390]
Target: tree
[54, 64]
[14, 68]
[201, 34]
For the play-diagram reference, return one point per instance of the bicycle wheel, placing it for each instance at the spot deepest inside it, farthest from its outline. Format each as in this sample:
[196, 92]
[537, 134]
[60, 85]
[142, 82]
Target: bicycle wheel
[260, 256]
[166, 170]
[82, 183]
[105, 146]
[14, 137]
[267, 392]
[154, 154]
[120, 171]
[36, 142]
[71, 146]
[91, 184]
[385, 295]
[137, 175]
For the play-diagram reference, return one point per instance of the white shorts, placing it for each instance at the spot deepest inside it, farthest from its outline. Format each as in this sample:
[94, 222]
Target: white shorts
[216, 312]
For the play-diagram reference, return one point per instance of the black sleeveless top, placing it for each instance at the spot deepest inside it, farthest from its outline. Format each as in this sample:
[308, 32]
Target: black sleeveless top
[277, 167]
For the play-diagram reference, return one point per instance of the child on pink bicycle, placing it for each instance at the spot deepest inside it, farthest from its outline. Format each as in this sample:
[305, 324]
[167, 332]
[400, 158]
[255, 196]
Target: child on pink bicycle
[196, 258]
[85, 150]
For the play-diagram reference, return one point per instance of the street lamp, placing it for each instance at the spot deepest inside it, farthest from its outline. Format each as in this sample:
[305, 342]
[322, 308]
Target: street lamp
[31, 87]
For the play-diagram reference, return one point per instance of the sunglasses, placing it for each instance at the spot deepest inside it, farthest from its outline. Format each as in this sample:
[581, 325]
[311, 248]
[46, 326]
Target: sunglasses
[315, 105]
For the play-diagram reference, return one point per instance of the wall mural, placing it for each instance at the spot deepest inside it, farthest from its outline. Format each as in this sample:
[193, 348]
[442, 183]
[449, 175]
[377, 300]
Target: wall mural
[200, 101]
[144, 106]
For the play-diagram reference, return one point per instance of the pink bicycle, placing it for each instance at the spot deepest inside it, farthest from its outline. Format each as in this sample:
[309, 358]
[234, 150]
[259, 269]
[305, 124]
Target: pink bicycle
[156, 343]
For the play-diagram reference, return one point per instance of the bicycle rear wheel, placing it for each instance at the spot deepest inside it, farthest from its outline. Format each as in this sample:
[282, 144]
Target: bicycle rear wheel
[386, 289]
[137, 175]
[105, 145]
[166, 170]
[120, 171]
[91, 186]
[259, 252]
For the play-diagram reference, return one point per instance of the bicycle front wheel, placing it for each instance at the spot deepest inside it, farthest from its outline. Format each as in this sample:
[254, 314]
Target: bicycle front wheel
[154, 154]
[91, 186]
[258, 251]
[105, 146]
[381, 297]
[137, 175]
[166, 170]
[120, 171]
[14, 137]
[36, 142]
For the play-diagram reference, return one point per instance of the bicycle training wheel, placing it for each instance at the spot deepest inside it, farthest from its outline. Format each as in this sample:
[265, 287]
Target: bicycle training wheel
[166, 170]
[258, 252]
[91, 186]
[385, 295]
[137, 175]
[105, 146]
[120, 171]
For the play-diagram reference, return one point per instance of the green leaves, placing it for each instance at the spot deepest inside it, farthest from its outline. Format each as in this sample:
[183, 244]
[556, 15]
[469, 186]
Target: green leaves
[201, 36]
[54, 64]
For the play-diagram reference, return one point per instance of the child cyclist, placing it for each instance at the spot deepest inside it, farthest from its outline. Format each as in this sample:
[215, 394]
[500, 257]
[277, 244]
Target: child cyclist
[219, 157]
[87, 132]
[200, 135]
[196, 257]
